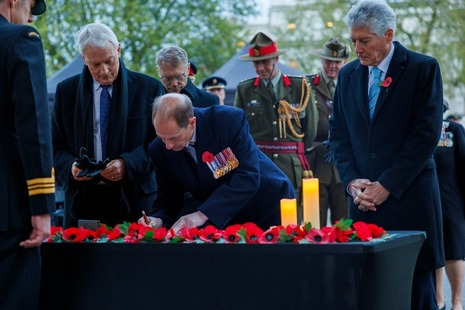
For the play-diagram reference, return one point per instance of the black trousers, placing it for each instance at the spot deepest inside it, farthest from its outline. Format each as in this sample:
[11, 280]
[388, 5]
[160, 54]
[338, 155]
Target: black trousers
[20, 271]
[424, 290]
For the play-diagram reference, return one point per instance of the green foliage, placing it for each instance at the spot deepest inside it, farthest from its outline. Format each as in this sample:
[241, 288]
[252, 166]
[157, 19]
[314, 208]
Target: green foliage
[344, 224]
[206, 29]
[432, 27]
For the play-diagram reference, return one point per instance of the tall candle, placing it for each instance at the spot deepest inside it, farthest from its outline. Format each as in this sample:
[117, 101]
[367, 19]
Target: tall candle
[288, 211]
[311, 201]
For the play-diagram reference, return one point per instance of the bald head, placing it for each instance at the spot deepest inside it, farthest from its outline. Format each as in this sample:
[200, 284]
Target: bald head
[173, 106]
[174, 120]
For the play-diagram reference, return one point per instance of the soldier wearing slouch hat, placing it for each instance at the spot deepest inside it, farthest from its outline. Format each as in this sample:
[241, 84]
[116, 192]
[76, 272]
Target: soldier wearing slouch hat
[281, 112]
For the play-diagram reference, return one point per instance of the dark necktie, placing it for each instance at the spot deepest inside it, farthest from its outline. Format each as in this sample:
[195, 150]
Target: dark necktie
[331, 88]
[374, 89]
[105, 101]
[270, 89]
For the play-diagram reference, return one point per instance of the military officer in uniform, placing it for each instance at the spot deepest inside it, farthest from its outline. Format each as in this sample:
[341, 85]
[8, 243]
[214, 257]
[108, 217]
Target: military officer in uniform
[216, 85]
[334, 55]
[27, 184]
[281, 113]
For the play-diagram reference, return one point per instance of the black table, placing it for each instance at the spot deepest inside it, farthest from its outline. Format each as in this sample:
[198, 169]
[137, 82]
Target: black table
[373, 275]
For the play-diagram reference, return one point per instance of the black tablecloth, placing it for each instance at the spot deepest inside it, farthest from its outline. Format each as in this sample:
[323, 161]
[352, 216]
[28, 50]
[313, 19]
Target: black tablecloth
[373, 275]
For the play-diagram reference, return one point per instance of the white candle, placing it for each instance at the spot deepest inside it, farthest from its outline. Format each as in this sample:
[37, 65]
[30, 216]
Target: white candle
[311, 201]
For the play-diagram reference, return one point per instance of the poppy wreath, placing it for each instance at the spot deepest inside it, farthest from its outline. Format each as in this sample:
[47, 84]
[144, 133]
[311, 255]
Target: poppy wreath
[342, 231]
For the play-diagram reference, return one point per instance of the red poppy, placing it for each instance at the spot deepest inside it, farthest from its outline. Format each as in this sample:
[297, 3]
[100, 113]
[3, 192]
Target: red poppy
[230, 234]
[133, 229]
[295, 231]
[102, 232]
[210, 234]
[270, 236]
[377, 231]
[387, 81]
[115, 234]
[55, 234]
[252, 232]
[330, 231]
[74, 234]
[344, 235]
[189, 234]
[207, 157]
[317, 236]
[362, 231]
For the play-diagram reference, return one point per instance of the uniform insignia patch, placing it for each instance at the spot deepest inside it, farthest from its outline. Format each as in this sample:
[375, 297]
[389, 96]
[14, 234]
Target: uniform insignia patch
[33, 34]
[253, 104]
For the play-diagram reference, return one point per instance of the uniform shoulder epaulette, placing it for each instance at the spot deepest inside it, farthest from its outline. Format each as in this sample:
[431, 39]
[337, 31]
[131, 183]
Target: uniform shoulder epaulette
[297, 77]
[313, 79]
[246, 80]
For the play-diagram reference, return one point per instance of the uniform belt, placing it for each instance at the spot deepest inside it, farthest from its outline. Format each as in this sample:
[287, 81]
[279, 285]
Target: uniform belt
[285, 148]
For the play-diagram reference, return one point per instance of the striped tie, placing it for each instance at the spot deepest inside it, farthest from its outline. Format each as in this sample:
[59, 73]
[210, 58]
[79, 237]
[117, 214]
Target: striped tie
[374, 89]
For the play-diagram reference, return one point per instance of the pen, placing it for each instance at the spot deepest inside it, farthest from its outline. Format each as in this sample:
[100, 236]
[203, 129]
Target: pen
[146, 219]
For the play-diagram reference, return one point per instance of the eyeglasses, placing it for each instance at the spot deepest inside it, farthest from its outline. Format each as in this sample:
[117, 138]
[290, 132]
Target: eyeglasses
[170, 79]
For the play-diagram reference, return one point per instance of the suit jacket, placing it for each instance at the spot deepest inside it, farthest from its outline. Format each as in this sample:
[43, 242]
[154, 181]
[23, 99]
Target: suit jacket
[26, 162]
[249, 193]
[199, 97]
[130, 131]
[396, 147]
[322, 170]
[253, 97]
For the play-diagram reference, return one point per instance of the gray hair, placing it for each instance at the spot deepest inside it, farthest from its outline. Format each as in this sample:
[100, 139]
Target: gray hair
[174, 106]
[376, 14]
[95, 35]
[173, 56]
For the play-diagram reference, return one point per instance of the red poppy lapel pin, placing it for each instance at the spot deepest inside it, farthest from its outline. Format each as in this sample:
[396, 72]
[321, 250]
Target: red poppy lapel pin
[386, 82]
[221, 163]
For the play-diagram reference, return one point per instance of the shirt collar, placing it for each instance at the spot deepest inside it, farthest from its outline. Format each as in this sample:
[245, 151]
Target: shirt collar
[384, 64]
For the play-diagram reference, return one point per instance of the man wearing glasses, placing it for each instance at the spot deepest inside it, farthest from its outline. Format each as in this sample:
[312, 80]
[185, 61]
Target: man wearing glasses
[173, 68]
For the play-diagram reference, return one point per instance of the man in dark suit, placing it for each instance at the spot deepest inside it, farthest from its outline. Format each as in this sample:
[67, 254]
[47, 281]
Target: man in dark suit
[217, 161]
[120, 133]
[384, 149]
[333, 54]
[27, 184]
[174, 68]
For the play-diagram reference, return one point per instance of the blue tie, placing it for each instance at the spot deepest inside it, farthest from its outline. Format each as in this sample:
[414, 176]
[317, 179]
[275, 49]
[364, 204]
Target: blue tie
[374, 89]
[105, 101]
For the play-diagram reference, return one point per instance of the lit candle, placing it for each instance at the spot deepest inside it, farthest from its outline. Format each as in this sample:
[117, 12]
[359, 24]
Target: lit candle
[311, 201]
[288, 212]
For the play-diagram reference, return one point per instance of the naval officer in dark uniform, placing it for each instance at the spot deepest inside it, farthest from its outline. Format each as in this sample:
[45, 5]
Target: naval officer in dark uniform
[27, 184]
[216, 85]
